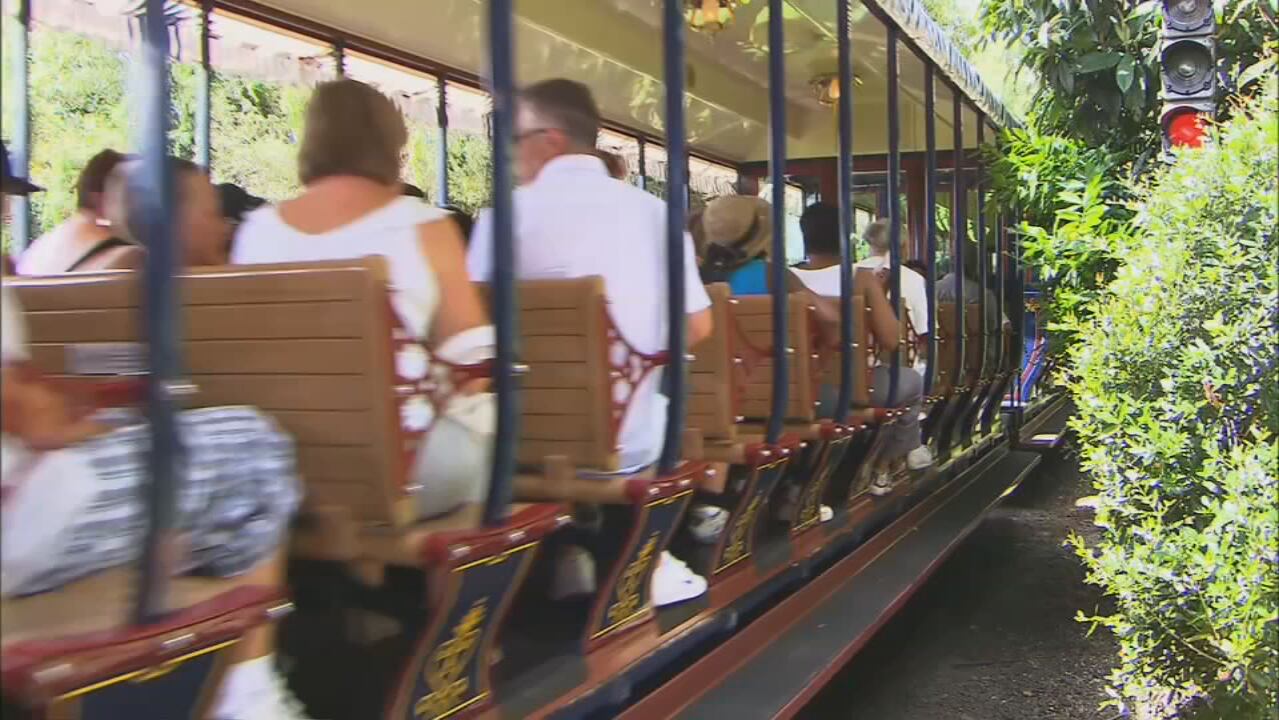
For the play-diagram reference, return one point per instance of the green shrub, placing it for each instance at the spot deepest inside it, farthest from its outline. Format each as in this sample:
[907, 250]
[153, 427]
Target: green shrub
[1177, 388]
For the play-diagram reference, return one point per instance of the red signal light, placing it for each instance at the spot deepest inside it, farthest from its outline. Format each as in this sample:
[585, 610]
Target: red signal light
[1186, 129]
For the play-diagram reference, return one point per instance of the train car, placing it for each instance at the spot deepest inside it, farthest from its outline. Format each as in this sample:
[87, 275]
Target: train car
[864, 105]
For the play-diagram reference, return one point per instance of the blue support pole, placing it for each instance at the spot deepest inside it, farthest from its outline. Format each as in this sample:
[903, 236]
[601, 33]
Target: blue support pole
[204, 93]
[959, 230]
[777, 175]
[643, 164]
[501, 38]
[983, 267]
[894, 204]
[339, 57]
[20, 149]
[930, 214]
[442, 154]
[846, 349]
[152, 191]
[676, 205]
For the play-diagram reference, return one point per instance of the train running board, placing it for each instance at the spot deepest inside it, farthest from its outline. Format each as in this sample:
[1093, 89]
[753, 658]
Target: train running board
[772, 667]
[1047, 429]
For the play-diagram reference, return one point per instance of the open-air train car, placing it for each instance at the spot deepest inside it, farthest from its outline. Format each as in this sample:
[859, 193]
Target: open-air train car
[870, 107]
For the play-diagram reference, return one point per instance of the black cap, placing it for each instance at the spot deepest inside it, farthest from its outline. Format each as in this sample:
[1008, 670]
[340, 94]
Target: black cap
[10, 183]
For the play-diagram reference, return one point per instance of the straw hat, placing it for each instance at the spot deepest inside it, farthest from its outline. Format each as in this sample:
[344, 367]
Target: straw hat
[741, 222]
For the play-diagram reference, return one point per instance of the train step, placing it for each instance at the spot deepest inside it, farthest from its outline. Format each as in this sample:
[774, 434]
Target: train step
[771, 668]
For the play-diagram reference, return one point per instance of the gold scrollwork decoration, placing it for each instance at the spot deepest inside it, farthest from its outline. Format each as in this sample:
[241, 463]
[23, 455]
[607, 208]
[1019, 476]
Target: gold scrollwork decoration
[735, 550]
[628, 596]
[445, 672]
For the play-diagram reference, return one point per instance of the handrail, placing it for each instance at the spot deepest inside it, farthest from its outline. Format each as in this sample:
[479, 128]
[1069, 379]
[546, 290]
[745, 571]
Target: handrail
[959, 232]
[676, 205]
[501, 39]
[154, 193]
[930, 210]
[894, 204]
[846, 229]
[777, 175]
[983, 267]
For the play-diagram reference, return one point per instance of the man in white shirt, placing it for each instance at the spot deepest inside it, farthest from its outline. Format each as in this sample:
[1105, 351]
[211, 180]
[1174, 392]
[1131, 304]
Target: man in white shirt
[914, 288]
[573, 220]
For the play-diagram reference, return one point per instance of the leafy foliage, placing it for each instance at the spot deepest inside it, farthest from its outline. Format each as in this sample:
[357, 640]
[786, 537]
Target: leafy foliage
[1177, 387]
[1097, 61]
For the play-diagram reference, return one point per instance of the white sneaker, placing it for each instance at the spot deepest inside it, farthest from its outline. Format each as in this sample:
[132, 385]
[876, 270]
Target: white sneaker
[706, 522]
[826, 513]
[265, 696]
[919, 458]
[882, 484]
[673, 582]
[574, 573]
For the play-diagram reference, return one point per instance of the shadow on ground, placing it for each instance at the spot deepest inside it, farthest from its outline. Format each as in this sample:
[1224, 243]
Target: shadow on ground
[992, 636]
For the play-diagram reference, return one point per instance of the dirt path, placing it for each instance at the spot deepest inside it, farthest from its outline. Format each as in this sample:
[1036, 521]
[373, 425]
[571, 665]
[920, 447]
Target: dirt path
[992, 635]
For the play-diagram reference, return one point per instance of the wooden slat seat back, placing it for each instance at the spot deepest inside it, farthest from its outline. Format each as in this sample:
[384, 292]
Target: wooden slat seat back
[309, 344]
[946, 339]
[566, 404]
[974, 343]
[755, 326]
[829, 356]
[713, 378]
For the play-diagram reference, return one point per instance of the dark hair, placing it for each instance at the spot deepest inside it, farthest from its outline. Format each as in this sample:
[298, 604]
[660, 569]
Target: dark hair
[917, 265]
[411, 190]
[569, 106]
[237, 202]
[464, 221]
[93, 178]
[820, 225]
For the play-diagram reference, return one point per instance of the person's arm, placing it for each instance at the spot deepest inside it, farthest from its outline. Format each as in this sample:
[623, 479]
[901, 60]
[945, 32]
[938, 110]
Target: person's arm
[126, 257]
[697, 303]
[460, 309]
[883, 321]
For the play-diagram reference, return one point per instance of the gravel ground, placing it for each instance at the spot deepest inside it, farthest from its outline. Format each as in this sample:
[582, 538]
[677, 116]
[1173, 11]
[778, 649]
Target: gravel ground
[992, 636]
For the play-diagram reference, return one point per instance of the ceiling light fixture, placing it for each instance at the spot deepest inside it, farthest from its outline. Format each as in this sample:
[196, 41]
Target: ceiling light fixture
[711, 16]
[826, 87]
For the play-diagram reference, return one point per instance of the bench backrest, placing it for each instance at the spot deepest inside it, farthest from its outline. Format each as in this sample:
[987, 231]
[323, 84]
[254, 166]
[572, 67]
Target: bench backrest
[570, 346]
[313, 345]
[714, 378]
[754, 325]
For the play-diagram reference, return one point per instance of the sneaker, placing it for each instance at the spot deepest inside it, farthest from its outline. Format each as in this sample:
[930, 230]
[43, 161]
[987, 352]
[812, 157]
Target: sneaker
[919, 458]
[706, 522]
[574, 573]
[266, 697]
[826, 513]
[674, 582]
[882, 484]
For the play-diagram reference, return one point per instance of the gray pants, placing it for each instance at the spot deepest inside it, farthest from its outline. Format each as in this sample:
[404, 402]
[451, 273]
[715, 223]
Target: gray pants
[905, 435]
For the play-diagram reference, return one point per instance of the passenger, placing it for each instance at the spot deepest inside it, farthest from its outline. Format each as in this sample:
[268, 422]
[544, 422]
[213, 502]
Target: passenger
[738, 232]
[820, 225]
[74, 489]
[465, 223]
[615, 164]
[204, 231]
[573, 220]
[85, 240]
[918, 266]
[994, 313]
[914, 289]
[352, 206]
[237, 202]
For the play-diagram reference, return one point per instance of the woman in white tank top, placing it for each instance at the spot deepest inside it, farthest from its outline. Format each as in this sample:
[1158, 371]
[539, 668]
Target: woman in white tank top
[352, 207]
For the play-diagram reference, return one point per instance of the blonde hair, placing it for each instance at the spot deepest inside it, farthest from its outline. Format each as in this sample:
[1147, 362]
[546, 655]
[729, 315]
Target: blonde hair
[351, 129]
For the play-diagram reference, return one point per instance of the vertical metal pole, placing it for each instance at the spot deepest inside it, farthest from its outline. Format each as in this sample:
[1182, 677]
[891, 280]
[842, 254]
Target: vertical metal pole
[846, 349]
[677, 176]
[930, 215]
[152, 192]
[501, 53]
[204, 93]
[894, 205]
[983, 267]
[339, 57]
[20, 150]
[442, 154]
[643, 164]
[1001, 267]
[688, 178]
[777, 174]
[959, 230]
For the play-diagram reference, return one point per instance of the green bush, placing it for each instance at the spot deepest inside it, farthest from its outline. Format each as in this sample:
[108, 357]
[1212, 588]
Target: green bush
[1177, 389]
